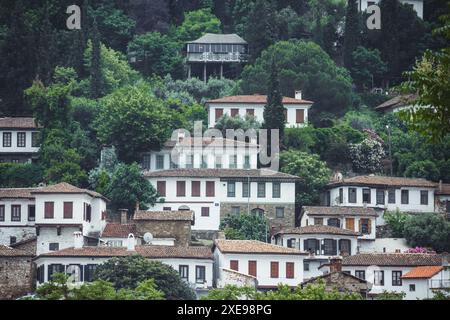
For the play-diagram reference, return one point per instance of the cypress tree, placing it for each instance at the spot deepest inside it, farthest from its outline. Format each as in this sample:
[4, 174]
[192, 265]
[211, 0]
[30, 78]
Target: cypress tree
[96, 70]
[351, 32]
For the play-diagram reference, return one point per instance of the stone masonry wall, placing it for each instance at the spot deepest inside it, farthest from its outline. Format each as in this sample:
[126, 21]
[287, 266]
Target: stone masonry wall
[180, 230]
[15, 277]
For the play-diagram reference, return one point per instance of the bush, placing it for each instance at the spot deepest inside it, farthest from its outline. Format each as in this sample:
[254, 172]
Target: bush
[15, 175]
[428, 230]
[245, 227]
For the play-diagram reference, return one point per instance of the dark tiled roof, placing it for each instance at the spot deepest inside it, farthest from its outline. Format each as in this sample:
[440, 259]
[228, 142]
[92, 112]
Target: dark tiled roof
[443, 189]
[319, 229]
[340, 211]
[398, 101]
[11, 193]
[256, 174]
[393, 259]
[65, 187]
[220, 38]
[6, 251]
[117, 230]
[145, 251]
[18, 123]
[253, 246]
[384, 181]
[257, 99]
[164, 215]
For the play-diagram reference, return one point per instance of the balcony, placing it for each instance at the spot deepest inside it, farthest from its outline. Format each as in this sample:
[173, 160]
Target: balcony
[217, 57]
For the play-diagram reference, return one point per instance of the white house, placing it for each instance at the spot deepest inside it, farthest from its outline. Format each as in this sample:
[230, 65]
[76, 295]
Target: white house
[214, 193]
[269, 264]
[424, 282]
[322, 242]
[417, 5]
[386, 270]
[383, 193]
[19, 139]
[296, 109]
[62, 209]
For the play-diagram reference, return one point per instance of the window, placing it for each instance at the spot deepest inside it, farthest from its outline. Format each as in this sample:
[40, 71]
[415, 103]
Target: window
[35, 139]
[210, 189]
[219, 113]
[258, 212]
[234, 265]
[364, 226]
[380, 196]
[252, 268]
[391, 195]
[87, 212]
[200, 274]
[231, 189]
[195, 188]
[7, 139]
[300, 116]
[378, 278]
[350, 224]
[205, 211]
[181, 188]
[412, 287]
[352, 195]
[360, 274]
[40, 273]
[54, 246]
[115, 243]
[329, 247]
[184, 272]
[318, 221]
[285, 114]
[21, 139]
[234, 112]
[290, 270]
[233, 162]
[276, 190]
[167, 208]
[261, 189]
[305, 266]
[68, 210]
[250, 112]
[12, 240]
[245, 190]
[424, 197]
[341, 195]
[279, 212]
[235, 210]
[89, 271]
[31, 213]
[247, 162]
[396, 278]
[2, 212]
[405, 196]
[447, 206]
[159, 161]
[345, 246]
[311, 245]
[54, 268]
[334, 222]
[161, 188]
[218, 162]
[291, 243]
[74, 271]
[15, 212]
[49, 210]
[274, 269]
[204, 162]
[366, 195]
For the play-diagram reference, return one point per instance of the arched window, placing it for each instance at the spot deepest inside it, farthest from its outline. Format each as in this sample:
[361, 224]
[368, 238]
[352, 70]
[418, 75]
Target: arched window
[334, 222]
[74, 272]
[183, 208]
[258, 212]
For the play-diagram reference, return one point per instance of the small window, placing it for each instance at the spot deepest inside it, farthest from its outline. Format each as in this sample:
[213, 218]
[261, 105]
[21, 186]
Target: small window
[161, 188]
[146, 161]
[424, 197]
[412, 287]
[252, 268]
[405, 196]
[276, 190]
[334, 222]
[341, 195]
[352, 195]
[205, 211]
[7, 139]
[184, 272]
[233, 162]
[210, 188]
[366, 195]
[21, 139]
[48, 210]
[396, 278]
[15, 213]
[329, 247]
[159, 161]
[318, 221]
[378, 278]
[361, 274]
[195, 188]
[167, 208]
[305, 266]
[231, 189]
[200, 275]
[234, 265]
[380, 196]
[274, 271]
[12, 240]
[234, 112]
[245, 190]
[235, 210]
[35, 139]
[181, 188]
[2, 212]
[290, 271]
[391, 196]
[31, 213]
[68, 210]
[261, 189]
[279, 212]
[365, 226]
[53, 246]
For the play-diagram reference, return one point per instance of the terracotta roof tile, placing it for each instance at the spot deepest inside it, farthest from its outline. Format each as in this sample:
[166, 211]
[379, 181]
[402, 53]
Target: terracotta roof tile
[164, 215]
[393, 259]
[117, 230]
[145, 251]
[65, 187]
[384, 181]
[11, 193]
[398, 101]
[6, 251]
[254, 246]
[18, 123]
[257, 99]
[340, 211]
[424, 272]
[319, 229]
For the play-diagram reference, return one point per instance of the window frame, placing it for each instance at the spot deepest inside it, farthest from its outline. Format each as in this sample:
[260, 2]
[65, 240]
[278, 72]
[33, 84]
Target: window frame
[404, 196]
[397, 278]
[231, 189]
[159, 162]
[16, 215]
[391, 196]
[21, 139]
[7, 137]
[424, 195]
[2, 212]
[277, 215]
[377, 280]
[261, 193]
[183, 268]
[366, 192]
[246, 189]
[276, 194]
[380, 194]
[360, 272]
[200, 270]
[352, 195]
[68, 216]
[49, 214]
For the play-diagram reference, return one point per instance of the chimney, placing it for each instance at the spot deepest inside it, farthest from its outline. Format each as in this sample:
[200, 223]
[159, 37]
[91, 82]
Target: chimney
[78, 240]
[123, 216]
[131, 242]
[298, 94]
[335, 264]
[440, 185]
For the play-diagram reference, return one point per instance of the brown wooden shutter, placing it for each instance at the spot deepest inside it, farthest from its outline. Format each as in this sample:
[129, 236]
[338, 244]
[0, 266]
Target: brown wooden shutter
[48, 210]
[290, 270]
[350, 223]
[195, 188]
[210, 186]
[205, 211]
[234, 112]
[68, 210]
[274, 269]
[219, 113]
[181, 188]
[252, 268]
[369, 226]
[161, 188]
[300, 115]
[285, 114]
[234, 265]
[251, 112]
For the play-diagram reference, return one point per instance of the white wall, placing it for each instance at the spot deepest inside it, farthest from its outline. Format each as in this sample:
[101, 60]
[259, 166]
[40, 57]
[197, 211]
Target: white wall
[23, 203]
[49, 235]
[14, 148]
[388, 245]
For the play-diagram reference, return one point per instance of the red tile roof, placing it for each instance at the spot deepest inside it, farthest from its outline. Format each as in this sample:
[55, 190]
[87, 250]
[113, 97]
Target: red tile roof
[164, 215]
[424, 272]
[393, 259]
[384, 181]
[339, 211]
[257, 99]
[13, 193]
[65, 187]
[320, 229]
[18, 123]
[117, 230]
[254, 247]
[6, 251]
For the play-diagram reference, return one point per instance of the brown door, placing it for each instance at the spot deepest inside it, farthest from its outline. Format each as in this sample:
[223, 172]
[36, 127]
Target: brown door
[161, 188]
[181, 188]
[219, 113]
[350, 224]
[234, 265]
[300, 115]
[234, 112]
[252, 268]
[195, 188]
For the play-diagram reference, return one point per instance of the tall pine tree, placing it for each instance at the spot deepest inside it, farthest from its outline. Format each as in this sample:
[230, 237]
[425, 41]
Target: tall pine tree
[352, 32]
[96, 69]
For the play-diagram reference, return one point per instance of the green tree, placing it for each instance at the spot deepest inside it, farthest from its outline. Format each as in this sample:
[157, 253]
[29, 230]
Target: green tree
[20, 175]
[97, 89]
[428, 230]
[128, 272]
[352, 32]
[396, 221]
[245, 123]
[55, 289]
[230, 292]
[423, 169]
[197, 23]
[367, 67]
[313, 172]
[391, 295]
[245, 227]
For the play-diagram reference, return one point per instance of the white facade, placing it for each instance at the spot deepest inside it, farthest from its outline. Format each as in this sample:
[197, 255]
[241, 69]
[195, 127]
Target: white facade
[417, 5]
[16, 145]
[384, 245]
[20, 226]
[425, 288]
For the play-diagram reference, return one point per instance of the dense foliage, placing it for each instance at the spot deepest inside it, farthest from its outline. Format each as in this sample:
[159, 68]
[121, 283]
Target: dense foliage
[245, 227]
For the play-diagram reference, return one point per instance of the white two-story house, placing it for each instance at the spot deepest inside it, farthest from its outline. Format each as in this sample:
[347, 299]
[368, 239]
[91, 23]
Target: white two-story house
[296, 109]
[19, 139]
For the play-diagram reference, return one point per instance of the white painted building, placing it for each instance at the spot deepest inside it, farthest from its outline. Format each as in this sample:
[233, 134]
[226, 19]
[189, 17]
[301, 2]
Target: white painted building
[385, 245]
[296, 109]
[417, 5]
[424, 282]
[19, 140]
[269, 264]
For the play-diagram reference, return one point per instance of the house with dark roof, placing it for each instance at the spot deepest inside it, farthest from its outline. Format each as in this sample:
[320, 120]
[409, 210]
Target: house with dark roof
[295, 109]
[19, 139]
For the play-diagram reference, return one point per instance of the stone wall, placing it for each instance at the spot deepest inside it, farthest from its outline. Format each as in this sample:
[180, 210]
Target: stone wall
[180, 230]
[15, 277]
[27, 245]
[343, 283]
